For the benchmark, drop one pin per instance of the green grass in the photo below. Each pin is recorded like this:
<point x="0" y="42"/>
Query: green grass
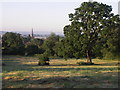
<point x="23" y="72"/>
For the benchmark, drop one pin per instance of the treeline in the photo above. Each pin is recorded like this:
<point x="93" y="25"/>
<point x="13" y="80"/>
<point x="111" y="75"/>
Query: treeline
<point x="15" y="44"/>
<point x="55" y="46"/>
<point x="94" y="32"/>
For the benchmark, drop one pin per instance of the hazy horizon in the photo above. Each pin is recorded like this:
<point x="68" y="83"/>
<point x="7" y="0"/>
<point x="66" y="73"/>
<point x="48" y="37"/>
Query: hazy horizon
<point x="35" y="32"/>
<point x="41" y="16"/>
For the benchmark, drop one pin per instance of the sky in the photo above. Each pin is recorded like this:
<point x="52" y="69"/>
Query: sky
<point x="43" y="16"/>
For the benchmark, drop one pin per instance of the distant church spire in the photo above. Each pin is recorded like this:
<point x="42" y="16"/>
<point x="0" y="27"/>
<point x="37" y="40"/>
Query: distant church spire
<point x="32" y="35"/>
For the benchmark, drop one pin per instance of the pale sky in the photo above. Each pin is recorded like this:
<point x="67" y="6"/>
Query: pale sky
<point x="42" y="16"/>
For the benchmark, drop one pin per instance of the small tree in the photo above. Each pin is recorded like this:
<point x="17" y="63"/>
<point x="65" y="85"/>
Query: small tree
<point x="43" y="59"/>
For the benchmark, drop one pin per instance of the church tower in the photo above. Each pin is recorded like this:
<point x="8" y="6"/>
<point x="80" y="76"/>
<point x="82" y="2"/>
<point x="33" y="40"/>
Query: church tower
<point x="32" y="35"/>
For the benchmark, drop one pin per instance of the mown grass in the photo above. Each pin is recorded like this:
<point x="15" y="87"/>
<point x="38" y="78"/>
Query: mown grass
<point x="23" y="72"/>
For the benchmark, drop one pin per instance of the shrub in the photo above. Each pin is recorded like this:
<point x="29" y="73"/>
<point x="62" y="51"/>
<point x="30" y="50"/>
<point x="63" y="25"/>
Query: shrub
<point x="43" y="59"/>
<point x="84" y="63"/>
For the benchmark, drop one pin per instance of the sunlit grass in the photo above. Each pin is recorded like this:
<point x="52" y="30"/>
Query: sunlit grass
<point x="23" y="72"/>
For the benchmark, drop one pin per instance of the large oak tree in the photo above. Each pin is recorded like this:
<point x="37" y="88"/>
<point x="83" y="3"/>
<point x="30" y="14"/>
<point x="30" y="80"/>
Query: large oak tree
<point x="90" y="25"/>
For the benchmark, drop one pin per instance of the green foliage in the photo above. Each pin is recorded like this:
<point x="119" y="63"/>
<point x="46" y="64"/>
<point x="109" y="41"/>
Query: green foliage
<point x="12" y="43"/>
<point x="37" y="42"/>
<point x="97" y="50"/>
<point x="63" y="49"/>
<point x="91" y="23"/>
<point x="111" y="47"/>
<point x="31" y="49"/>
<point x="43" y="59"/>
<point x="49" y="44"/>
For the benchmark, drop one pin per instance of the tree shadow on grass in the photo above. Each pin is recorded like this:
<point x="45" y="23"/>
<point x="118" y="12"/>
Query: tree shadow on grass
<point x="26" y="67"/>
<point x="101" y="81"/>
<point x="72" y="65"/>
<point x="15" y="65"/>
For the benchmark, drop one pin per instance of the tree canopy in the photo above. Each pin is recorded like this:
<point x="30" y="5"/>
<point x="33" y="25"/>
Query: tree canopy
<point x="50" y="43"/>
<point x="91" y="23"/>
<point x="12" y="43"/>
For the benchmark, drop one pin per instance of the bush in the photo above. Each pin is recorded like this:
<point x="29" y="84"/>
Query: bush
<point x="43" y="59"/>
<point x="84" y="63"/>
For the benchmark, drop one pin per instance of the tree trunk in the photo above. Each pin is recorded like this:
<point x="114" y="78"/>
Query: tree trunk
<point x="89" y="60"/>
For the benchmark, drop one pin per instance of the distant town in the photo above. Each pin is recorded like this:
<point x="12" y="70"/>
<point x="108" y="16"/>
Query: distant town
<point x="31" y="33"/>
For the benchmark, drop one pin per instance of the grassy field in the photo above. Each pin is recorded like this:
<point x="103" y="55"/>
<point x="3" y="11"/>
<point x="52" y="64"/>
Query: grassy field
<point x="23" y="72"/>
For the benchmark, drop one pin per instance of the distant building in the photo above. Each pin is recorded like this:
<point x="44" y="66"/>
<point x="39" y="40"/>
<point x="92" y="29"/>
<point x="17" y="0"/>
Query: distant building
<point x="32" y="35"/>
<point x="119" y="7"/>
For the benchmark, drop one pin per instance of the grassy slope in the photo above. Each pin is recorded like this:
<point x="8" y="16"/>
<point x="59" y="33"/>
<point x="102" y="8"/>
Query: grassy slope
<point x="23" y="72"/>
